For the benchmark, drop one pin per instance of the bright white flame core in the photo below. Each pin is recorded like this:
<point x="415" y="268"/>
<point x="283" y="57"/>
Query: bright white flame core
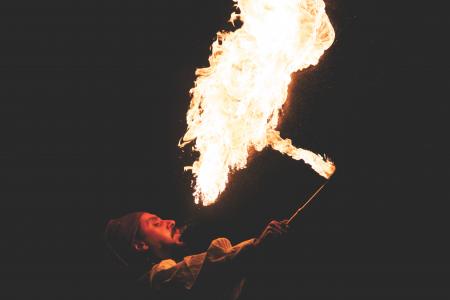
<point x="236" y="100"/>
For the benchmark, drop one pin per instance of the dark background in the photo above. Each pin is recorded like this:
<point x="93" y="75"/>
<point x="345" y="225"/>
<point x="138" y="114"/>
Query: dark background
<point x="93" y="96"/>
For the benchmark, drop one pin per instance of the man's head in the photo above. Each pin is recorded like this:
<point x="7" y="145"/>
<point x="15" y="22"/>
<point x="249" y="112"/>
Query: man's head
<point x="140" y="235"/>
<point x="157" y="235"/>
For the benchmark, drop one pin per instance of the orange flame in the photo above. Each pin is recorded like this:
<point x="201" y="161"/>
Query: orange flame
<point x="236" y="101"/>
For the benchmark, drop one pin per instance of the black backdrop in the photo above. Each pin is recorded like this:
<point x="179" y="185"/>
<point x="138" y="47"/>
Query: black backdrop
<point x="93" y="96"/>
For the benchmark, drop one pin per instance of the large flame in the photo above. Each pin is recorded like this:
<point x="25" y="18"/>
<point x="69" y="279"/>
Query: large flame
<point x="237" y="99"/>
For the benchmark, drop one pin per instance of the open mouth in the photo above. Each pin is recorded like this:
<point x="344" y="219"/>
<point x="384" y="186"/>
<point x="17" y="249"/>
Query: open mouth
<point x="174" y="231"/>
<point x="178" y="230"/>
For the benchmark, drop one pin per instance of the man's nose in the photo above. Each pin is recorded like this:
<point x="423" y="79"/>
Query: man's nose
<point x="170" y="223"/>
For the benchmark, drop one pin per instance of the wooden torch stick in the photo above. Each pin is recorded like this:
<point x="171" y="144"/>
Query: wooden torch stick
<point x="306" y="203"/>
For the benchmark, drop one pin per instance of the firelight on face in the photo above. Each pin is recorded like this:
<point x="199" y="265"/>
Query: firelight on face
<point x="158" y="232"/>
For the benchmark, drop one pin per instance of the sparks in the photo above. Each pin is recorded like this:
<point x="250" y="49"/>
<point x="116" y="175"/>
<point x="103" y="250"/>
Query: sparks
<point x="236" y="100"/>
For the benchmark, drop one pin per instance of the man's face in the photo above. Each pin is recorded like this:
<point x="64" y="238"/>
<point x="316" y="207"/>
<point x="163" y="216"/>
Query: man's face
<point x="159" y="234"/>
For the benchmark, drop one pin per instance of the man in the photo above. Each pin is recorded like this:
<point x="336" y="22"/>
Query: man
<point x="154" y="249"/>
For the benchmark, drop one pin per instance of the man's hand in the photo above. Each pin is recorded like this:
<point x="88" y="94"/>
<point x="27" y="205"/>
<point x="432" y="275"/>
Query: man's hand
<point x="273" y="231"/>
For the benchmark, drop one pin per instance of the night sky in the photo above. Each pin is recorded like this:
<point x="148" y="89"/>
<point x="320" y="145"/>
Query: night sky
<point x="93" y="97"/>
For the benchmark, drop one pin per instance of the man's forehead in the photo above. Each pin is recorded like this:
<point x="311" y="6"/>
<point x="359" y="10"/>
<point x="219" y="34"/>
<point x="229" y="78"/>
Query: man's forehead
<point x="148" y="216"/>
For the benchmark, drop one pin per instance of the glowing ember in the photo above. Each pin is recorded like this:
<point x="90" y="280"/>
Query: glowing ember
<point x="236" y="100"/>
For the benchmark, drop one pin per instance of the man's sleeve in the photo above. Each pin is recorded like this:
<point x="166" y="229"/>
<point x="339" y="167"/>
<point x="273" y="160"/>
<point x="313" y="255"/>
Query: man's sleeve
<point x="222" y="256"/>
<point x="220" y="259"/>
<point x="171" y="275"/>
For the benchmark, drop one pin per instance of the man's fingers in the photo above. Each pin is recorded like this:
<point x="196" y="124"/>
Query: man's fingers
<point x="285" y="224"/>
<point x="275" y="231"/>
<point x="279" y="226"/>
<point x="273" y="223"/>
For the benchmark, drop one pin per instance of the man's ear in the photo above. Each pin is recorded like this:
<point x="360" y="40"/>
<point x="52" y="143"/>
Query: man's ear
<point x="141" y="246"/>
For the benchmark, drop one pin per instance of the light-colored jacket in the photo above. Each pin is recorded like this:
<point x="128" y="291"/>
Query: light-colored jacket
<point x="217" y="273"/>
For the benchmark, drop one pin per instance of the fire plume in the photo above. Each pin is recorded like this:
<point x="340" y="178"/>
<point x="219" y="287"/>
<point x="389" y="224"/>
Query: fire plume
<point x="236" y="100"/>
